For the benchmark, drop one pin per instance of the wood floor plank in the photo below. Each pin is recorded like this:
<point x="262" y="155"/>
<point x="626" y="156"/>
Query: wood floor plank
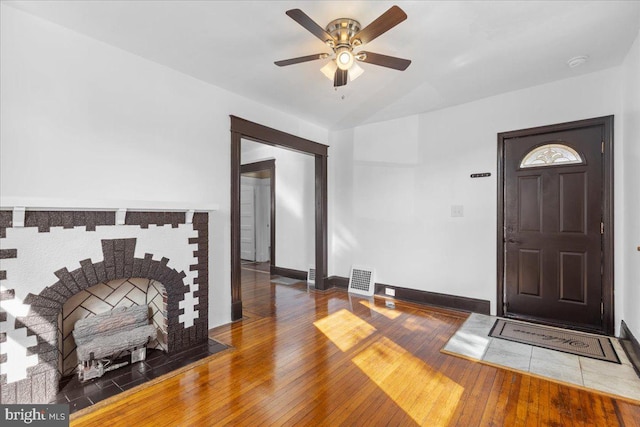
<point x="499" y="388"/>
<point x="533" y="416"/>
<point x="598" y="414"/>
<point x="557" y="406"/>
<point x="444" y="412"/>
<point x="511" y="405"/>
<point x="473" y="403"/>
<point x="525" y="405"/>
<point x="307" y="358"/>
<point x="629" y="414"/>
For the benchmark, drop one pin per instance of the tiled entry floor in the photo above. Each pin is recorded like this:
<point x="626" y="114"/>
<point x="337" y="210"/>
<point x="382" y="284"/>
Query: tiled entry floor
<point x="472" y="340"/>
<point x="82" y="395"/>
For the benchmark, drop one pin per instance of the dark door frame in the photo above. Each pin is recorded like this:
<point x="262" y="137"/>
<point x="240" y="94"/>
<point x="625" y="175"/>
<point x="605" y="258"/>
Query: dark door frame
<point x="241" y="128"/>
<point x="606" y="123"/>
<point x="269" y="165"/>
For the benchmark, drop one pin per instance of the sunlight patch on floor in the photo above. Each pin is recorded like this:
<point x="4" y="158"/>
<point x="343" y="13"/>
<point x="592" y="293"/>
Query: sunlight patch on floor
<point x="386" y="312"/>
<point x="344" y="329"/>
<point x="414" y="325"/>
<point x="426" y="395"/>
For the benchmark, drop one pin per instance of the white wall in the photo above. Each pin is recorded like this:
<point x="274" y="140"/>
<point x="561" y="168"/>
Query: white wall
<point x="295" y="203"/>
<point x="84" y="120"/>
<point x="631" y="192"/>
<point x="392" y="185"/>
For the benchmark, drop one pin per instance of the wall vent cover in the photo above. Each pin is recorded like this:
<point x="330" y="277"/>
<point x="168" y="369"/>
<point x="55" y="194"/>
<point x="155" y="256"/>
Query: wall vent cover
<point x="361" y="281"/>
<point x="311" y="276"/>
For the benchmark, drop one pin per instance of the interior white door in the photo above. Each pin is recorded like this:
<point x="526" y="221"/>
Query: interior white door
<point x="263" y="220"/>
<point x="247" y="223"/>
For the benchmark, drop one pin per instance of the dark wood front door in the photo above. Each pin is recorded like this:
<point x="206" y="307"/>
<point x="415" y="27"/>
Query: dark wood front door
<point x="554" y="203"/>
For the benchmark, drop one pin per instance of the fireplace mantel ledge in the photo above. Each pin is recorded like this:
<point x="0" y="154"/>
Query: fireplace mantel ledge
<point x="20" y="205"/>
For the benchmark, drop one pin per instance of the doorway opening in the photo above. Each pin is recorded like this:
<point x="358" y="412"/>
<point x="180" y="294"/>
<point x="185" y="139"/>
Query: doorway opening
<point x="244" y="129"/>
<point x="258" y="212"/>
<point x="555" y="225"/>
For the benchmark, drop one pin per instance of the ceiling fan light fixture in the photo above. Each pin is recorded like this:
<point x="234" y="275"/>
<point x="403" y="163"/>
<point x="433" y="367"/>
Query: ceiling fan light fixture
<point x="361" y="56"/>
<point x="329" y="70"/>
<point x="355" y="71"/>
<point x="344" y="58"/>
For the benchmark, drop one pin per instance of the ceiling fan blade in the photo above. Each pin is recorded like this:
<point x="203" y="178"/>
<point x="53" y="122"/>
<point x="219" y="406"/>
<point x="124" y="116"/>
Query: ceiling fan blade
<point x="340" y="78"/>
<point x="303" y="19"/>
<point x="381" y="25"/>
<point x="300" y="59"/>
<point x="384" y="60"/>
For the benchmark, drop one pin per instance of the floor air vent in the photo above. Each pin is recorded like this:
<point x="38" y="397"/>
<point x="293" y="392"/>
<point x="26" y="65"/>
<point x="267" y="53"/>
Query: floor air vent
<point x="361" y="281"/>
<point x="311" y="277"/>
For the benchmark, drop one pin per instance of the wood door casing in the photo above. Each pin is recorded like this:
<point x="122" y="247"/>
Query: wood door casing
<point x="241" y="128"/>
<point x="553" y="251"/>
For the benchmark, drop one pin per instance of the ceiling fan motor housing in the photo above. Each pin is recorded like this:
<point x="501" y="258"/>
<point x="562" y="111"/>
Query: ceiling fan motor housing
<point x="342" y="30"/>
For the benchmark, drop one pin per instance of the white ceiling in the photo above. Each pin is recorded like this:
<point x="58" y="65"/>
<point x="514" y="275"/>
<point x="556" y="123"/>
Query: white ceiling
<point x="460" y="50"/>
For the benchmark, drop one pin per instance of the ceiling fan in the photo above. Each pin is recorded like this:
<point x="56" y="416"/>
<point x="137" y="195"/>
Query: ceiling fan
<point x="343" y="35"/>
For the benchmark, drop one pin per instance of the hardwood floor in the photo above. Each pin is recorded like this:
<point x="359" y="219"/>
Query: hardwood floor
<point x="311" y="358"/>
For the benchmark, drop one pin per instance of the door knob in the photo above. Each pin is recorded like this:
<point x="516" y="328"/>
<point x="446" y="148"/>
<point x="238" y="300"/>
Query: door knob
<point x="513" y="241"/>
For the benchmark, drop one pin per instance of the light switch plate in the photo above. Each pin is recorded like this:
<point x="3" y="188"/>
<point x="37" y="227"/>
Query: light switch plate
<point x="457" y="210"/>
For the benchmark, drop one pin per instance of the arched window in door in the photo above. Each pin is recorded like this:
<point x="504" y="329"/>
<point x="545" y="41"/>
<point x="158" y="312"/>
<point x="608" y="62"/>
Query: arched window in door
<point x="551" y="155"/>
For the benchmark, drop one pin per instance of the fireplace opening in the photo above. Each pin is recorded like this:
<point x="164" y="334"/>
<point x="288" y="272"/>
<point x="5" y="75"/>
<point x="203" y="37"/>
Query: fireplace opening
<point x="105" y="297"/>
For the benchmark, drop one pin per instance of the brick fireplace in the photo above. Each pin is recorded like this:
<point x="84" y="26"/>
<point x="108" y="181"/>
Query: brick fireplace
<point x="86" y="262"/>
